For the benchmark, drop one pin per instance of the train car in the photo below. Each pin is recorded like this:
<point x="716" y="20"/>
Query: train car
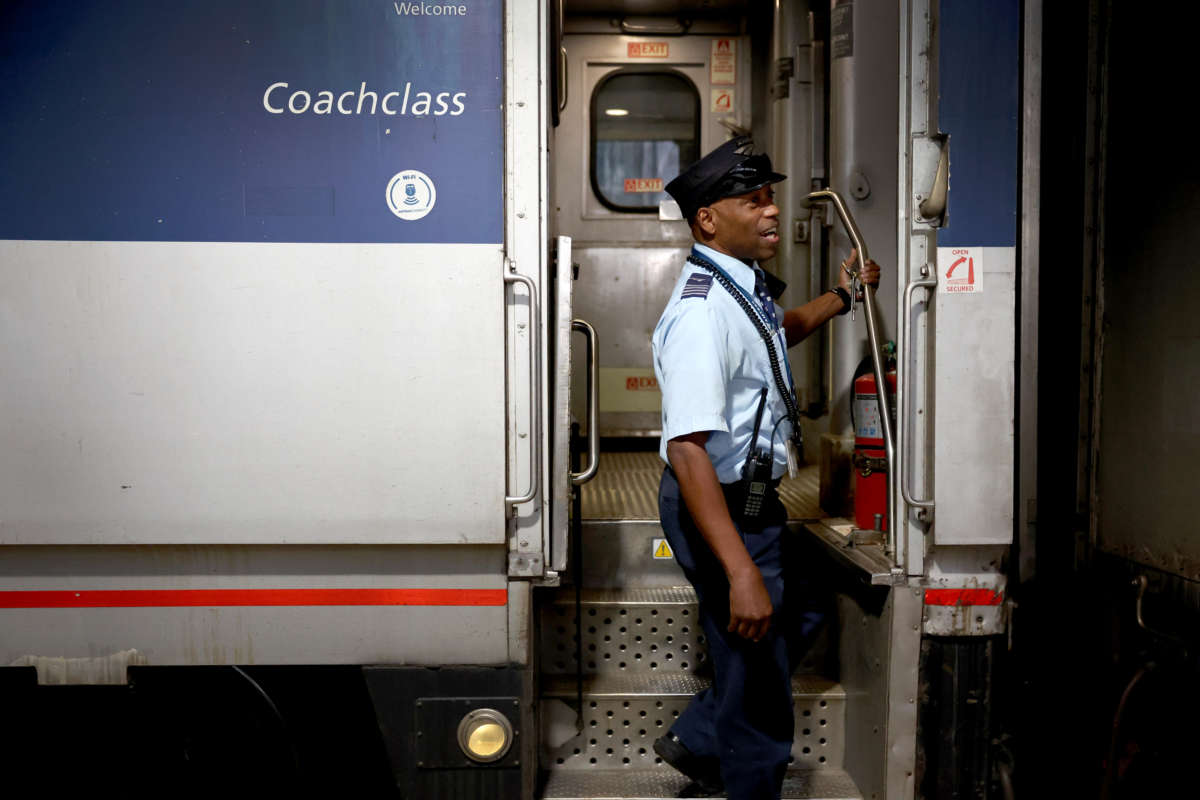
<point x="329" y="427"/>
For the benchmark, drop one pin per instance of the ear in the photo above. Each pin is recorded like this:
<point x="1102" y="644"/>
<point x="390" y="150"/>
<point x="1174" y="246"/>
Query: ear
<point x="706" y="221"/>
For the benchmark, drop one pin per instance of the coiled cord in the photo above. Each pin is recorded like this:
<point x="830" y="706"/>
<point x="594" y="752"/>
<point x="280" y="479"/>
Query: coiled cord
<point x="776" y="371"/>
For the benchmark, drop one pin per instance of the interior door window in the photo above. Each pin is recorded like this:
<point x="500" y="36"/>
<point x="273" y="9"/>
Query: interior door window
<point x="645" y="130"/>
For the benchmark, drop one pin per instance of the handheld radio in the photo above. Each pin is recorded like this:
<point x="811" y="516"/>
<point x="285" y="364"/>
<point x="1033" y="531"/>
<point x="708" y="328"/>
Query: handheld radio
<point x="756" y="472"/>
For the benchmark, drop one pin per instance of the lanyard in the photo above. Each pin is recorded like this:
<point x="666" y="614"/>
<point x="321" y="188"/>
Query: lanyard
<point x="764" y="331"/>
<point x="754" y="303"/>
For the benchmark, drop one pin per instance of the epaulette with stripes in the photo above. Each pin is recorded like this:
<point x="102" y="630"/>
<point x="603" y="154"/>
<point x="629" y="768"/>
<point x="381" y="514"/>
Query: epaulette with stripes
<point x="697" y="285"/>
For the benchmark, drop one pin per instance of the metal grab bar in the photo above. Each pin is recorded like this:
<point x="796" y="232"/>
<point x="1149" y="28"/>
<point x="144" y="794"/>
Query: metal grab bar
<point x="564" y="86"/>
<point x="676" y="28"/>
<point x="889" y="440"/>
<point x="593" y="404"/>
<point x="903" y="397"/>
<point x="535" y="386"/>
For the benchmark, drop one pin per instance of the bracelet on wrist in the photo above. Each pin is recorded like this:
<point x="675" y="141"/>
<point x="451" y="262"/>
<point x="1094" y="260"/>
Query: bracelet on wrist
<point x="845" y="298"/>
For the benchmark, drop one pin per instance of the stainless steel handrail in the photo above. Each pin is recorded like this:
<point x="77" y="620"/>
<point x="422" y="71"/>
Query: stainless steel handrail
<point x="535" y="387"/>
<point x="889" y="440"/>
<point x="593" y="403"/>
<point x="902" y="396"/>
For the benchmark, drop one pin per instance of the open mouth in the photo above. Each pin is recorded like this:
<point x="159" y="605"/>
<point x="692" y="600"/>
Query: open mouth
<point x="771" y="235"/>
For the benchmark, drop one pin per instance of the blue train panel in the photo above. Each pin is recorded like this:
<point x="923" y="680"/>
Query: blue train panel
<point x="978" y="105"/>
<point x="227" y="120"/>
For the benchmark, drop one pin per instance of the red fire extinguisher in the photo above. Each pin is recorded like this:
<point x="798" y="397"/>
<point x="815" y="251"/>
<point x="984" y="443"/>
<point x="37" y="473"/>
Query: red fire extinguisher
<point x="870" y="457"/>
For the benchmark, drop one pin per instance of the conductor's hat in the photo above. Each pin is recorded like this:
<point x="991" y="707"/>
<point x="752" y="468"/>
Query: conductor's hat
<point x="730" y="170"/>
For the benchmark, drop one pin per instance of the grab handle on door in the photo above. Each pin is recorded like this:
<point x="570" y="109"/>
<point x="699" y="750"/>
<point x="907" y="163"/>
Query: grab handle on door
<point x="924" y="507"/>
<point x="652" y="27"/>
<point x="593" y="404"/>
<point x="564" y="86"/>
<point x="535" y="387"/>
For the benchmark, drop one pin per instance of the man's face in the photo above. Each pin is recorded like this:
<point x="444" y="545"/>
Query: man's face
<point x="746" y="226"/>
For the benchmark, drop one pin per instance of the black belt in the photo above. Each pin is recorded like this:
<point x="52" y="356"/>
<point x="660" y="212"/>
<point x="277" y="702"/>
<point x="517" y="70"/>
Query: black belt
<point x="772" y="485"/>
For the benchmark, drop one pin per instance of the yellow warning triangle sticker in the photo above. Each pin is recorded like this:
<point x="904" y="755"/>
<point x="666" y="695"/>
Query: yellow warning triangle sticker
<point x="663" y="550"/>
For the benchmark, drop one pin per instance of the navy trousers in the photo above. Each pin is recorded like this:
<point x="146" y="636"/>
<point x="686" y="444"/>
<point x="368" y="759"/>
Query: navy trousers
<point x="745" y="718"/>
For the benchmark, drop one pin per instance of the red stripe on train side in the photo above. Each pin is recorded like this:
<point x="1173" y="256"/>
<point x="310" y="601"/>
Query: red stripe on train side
<point x="177" y="598"/>
<point x="963" y="597"/>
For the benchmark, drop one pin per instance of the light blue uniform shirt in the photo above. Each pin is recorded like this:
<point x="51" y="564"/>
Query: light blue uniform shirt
<point x="712" y="365"/>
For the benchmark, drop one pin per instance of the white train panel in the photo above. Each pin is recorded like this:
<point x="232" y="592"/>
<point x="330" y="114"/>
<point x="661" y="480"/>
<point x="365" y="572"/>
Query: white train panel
<point x="235" y="393"/>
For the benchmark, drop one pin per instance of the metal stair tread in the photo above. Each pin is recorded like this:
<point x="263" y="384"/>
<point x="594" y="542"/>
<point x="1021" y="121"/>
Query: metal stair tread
<point x="647" y="596"/>
<point x="659" y="784"/>
<point x="667" y="684"/>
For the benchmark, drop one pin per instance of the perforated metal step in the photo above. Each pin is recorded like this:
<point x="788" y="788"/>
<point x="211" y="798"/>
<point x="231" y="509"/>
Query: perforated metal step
<point x="624" y="714"/>
<point x="625" y="631"/>
<point x="659" y="784"/>
<point x="629" y="631"/>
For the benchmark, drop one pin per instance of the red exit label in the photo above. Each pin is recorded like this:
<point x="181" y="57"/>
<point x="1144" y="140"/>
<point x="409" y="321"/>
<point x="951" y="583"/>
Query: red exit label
<point x="648" y="50"/>
<point x="638" y="383"/>
<point x="633" y="185"/>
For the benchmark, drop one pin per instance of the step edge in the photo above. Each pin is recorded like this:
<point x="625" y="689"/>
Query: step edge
<point x="592" y="597"/>
<point x="627" y="774"/>
<point x="565" y="686"/>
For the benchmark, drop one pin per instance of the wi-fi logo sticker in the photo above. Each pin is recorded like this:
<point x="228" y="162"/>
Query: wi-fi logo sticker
<point x="411" y="194"/>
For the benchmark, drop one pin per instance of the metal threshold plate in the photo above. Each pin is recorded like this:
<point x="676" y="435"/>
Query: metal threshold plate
<point x="660" y="784"/>
<point x="871" y="559"/>
<point x="671" y="684"/>
<point x="649" y="596"/>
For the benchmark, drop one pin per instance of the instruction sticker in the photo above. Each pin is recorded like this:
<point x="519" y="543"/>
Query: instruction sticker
<point x="661" y="549"/>
<point x="722" y="66"/>
<point x="960" y="270"/>
<point x="841" y="27"/>
<point x="722" y="99"/>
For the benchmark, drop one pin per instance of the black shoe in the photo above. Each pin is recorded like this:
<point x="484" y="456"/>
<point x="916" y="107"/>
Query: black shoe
<point x="694" y="789"/>
<point x="705" y="771"/>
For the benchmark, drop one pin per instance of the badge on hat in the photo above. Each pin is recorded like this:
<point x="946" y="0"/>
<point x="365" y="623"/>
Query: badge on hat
<point x="730" y="170"/>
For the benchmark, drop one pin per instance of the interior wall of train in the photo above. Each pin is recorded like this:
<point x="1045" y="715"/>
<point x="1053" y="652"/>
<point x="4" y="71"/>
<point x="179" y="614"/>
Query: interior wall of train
<point x="307" y="419"/>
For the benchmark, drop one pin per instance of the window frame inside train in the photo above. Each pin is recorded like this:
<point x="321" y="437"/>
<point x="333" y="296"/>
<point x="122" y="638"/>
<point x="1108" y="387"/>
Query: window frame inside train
<point x="594" y="129"/>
